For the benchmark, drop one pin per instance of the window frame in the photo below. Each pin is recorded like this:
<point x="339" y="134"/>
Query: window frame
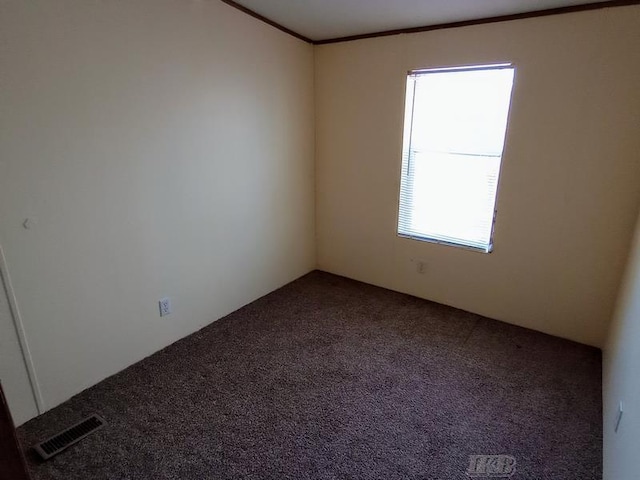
<point x="403" y="166"/>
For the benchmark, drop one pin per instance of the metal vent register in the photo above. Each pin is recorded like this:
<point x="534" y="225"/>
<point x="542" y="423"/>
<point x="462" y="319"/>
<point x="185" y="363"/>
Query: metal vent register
<point x="60" y="441"/>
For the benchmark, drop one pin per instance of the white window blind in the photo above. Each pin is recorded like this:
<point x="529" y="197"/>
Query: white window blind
<point x="454" y="132"/>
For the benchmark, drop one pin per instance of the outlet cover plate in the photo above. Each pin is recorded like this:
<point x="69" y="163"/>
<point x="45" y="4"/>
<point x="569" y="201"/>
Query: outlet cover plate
<point x="165" y="306"/>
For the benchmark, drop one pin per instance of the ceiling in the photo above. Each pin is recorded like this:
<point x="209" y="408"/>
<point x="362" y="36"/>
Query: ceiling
<point x="327" y="19"/>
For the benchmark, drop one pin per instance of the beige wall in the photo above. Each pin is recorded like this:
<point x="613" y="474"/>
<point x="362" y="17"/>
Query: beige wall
<point x="621" y="361"/>
<point x="568" y="194"/>
<point x="161" y="148"/>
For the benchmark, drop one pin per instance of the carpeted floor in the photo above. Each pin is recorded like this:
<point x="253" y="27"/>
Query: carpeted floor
<point x="328" y="378"/>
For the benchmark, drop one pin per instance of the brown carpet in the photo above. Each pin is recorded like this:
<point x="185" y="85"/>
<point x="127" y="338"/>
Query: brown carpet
<point x="329" y="378"/>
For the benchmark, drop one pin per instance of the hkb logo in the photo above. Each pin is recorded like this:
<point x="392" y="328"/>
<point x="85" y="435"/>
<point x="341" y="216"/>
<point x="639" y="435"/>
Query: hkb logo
<point x="491" y="466"/>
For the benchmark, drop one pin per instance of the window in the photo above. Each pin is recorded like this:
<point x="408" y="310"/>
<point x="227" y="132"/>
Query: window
<point x="454" y="130"/>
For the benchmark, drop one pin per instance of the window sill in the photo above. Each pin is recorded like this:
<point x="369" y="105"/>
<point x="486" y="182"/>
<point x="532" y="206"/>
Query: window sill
<point x="449" y="244"/>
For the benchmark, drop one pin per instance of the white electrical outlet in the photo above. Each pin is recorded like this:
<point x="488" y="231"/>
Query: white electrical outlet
<point x="418" y="265"/>
<point x="619" y="416"/>
<point x="165" y="306"/>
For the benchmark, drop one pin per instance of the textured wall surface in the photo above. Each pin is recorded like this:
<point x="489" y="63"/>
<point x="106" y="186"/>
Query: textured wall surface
<point x="568" y="195"/>
<point x="160" y="148"/>
<point x="621" y="361"/>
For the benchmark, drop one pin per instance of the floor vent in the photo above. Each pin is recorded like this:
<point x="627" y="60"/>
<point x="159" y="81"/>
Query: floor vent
<point x="54" y="445"/>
